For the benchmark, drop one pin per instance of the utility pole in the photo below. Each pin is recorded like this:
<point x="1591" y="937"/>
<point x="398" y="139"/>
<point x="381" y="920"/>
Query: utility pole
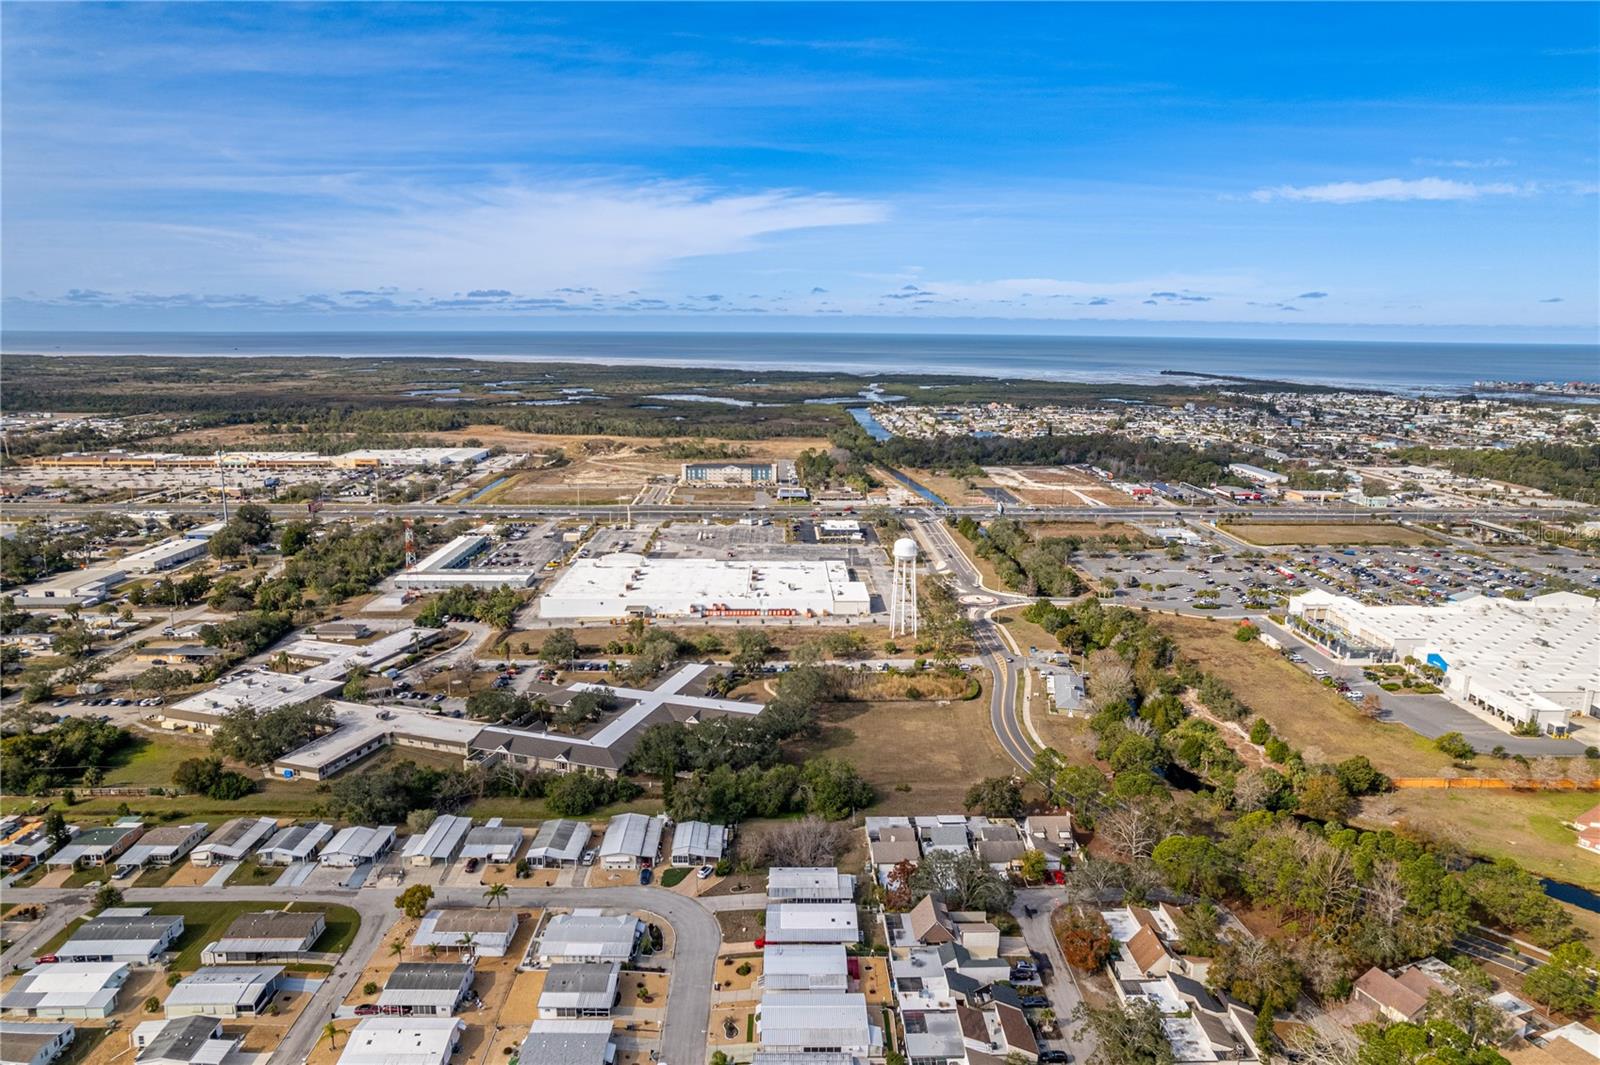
<point x="222" y="476"/>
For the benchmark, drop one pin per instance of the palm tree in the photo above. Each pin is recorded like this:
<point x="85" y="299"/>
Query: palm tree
<point x="433" y="950"/>
<point x="496" y="893"/>
<point x="396" y="948"/>
<point x="330" y="1031"/>
<point x="466" y="942"/>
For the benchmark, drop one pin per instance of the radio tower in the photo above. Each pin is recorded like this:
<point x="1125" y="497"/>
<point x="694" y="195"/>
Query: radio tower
<point x="411" y="544"/>
<point x="903" y="599"/>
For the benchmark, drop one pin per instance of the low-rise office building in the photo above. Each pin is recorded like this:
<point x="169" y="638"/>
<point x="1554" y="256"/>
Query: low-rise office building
<point x="225" y="991"/>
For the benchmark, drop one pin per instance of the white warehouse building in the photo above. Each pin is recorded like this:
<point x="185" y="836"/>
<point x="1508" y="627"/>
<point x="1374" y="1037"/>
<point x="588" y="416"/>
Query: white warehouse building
<point x="451" y="566"/>
<point x="625" y="583"/>
<point x="1521" y="661"/>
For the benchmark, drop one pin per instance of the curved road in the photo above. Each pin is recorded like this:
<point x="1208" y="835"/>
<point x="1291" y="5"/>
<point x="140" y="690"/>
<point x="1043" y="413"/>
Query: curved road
<point x="696" y="939"/>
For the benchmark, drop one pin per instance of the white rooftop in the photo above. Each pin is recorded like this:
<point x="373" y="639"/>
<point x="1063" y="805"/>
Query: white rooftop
<point x="812" y="922"/>
<point x="613" y="585"/>
<point x="401" y="1041"/>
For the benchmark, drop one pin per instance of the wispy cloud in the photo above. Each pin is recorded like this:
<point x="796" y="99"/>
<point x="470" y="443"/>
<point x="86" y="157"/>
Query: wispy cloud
<point x="1496" y="163"/>
<point x="1389" y="189"/>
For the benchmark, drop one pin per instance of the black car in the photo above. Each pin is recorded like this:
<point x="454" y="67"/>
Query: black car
<point x="1054" y="1057"/>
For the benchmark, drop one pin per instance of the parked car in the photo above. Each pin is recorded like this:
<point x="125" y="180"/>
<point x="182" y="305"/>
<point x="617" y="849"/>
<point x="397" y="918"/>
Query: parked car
<point x="703" y="872"/>
<point x="645" y="876"/>
<point x="1035" y="1002"/>
<point x="472" y="865"/>
<point x="588" y="857"/>
<point x="1054" y="1057"/>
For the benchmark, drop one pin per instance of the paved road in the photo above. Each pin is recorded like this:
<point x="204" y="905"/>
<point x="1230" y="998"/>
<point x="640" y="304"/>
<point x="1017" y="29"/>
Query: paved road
<point x="696" y="935"/>
<point x="1062" y="990"/>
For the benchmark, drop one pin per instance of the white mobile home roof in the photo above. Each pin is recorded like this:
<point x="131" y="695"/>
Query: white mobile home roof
<point x="812" y="922"/>
<point x="569" y="1041"/>
<point x="698" y="840"/>
<point x="67" y="986"/>
<point x="809" y="884"/>
<point x="439" y="842"/>
<point x="227" y="987"/>
<point x="805" y="967"/>
<point x="588" y="934"/>
<point x="358" y="843"/>
<point x="402" y="1041"/>
<point x="632" y="836"/>
<point x="297" y="843"/>
<point x="235" y="839"/>
<point x="814" y="1019"/>
<point x="493" y="841"/>
<point x="559" y="841"/>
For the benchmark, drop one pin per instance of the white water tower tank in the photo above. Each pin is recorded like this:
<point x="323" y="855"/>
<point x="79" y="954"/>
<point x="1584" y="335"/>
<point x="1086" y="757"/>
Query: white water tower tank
<point x="905" y="548"/>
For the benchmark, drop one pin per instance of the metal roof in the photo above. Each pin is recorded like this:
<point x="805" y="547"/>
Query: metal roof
<point x="576" y="1041"/>
<point x="360" y="841"/>
<point x="227" y="986"/>
<point x="632" y="835"/>
<point x="814" y="1018"/>
<point x="699" y="839"/>
<point x="440" y="840"/>
<point x="66" y="985"/>
<point x="560" y="839"/>
<point x="487" y="841"/>
<point x="579" y="985"/>
<point x="297" y="841"/>
<point x="236" y="838"/>
<point x="589" y="934"/>
<point x="181" y="1039"/>
<point x="428" y="976"/>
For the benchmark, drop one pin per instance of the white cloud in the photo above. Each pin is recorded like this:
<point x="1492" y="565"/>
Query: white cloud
<point x="1391" y="189"/>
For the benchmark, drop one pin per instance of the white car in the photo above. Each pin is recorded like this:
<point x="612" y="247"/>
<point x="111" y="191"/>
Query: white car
<point x="1318" y="671"/>
<point x="703" y="872"/>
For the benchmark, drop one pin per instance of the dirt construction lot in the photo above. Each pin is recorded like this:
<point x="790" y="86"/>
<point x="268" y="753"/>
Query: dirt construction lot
<point x="1056" y="486"/>
<point x="954" y="746"/>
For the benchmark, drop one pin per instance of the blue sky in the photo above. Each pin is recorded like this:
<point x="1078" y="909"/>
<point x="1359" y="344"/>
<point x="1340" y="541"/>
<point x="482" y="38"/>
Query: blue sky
<point x="1297" y="170"/>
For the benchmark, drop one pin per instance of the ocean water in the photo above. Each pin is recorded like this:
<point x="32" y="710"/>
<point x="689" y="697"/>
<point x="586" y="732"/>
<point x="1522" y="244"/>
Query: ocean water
<point x="1390" y="365"/>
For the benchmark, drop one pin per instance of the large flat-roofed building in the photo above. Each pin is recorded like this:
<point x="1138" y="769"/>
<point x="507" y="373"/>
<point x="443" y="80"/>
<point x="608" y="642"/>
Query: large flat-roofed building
<point x="1257" y="474"/>
<point x="736" y="474"/>
<point x="579" y="989"/>
<point x="80" y="587"/>
<point x="438" y="843"/>
<point x="270" y="935"/>
<point x="588" y="936"/>
<point x="162" y="556"/>
<point x="427" y="989"/>
<point x="234" y="840"/>
<point x="451" y="566"/>
<point x="25" y="1043"/>
<point x="482" y="932"/>
<point x="402" y="1041"/>
<point x="569" y="1041"/>
<point x="297" y="843"/>
<point x="225" y="991"/>
<point x="1534" y="661"/>
<point x="411" y="456"/>
<point x="68" y="990"/>
<point x="624" y="583"/>
<point x="137" y="940"/>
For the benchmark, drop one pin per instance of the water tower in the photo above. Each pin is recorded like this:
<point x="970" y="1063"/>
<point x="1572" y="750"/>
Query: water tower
<point x="903" y="599"/>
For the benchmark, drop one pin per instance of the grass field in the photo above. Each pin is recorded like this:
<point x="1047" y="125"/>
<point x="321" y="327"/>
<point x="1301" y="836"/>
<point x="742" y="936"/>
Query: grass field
<point x="275" y="799"/>
<point x="1025" y="633"/>
<point x="1525" y="826"/>
<point x="1267" y="535"/>
<point x="953" y="744"/>
<point x="1315" y="720"/>
<point x="149" y="761"/>
<point x="592" y="639"/>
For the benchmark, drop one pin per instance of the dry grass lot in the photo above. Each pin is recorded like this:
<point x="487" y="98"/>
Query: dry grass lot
<point x="740" y="926"/>
<point x="953" y="490"/>
<point x="1025" y="633"/>
<point x="1530" y="827"/>
<point x="953" y="742"/>
<point x="1313" y="719"/>
<point x="1283" y="535"/>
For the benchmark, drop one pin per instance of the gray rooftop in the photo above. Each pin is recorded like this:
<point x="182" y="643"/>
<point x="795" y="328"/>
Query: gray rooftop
<point x="180" y="1039"/>
<point x="125" y="929"/>
<point x="427" y="976"/>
